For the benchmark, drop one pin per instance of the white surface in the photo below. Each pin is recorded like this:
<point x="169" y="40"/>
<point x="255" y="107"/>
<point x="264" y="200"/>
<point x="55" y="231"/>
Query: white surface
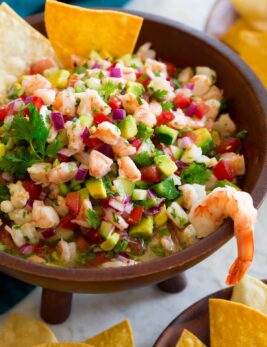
<point x="148" y="309"/>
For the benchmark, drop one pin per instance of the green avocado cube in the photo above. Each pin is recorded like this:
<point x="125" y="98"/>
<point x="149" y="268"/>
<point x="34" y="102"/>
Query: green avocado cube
<point x="110" y="242"/>
<point x="166" y="134"/>
<point x="135" y="88"/>
<point x="165" y="165"/>
<point x="124" y="186"/>
<point x="106" y="229"/>
<point x="84" y="193"/>
<point x="176" y="152"/>
<point x="204" y="140"/>
<point x="139" y="194"/>
<point x="60" y="78"/>
<point x="166" y="189"/>
<point x="144" y="229"/>
<point x="128" y="127"/>
<point x="96" y="188"/>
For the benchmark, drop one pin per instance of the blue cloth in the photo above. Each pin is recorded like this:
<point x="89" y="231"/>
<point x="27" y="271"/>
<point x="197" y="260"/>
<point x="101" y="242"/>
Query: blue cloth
<point x="28" y="7"/>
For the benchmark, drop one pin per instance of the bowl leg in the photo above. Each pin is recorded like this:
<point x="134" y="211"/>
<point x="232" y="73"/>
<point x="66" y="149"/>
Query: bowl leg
<point x="174" y="285"/>
<point x="55" y="306"/>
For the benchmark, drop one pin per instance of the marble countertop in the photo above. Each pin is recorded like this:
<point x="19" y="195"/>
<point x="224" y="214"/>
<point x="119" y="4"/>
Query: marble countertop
<point x="148" y="309"/>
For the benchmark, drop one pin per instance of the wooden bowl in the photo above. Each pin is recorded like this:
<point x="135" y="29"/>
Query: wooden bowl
<point x="195" y="319"/>
<point x="174" y="42"/>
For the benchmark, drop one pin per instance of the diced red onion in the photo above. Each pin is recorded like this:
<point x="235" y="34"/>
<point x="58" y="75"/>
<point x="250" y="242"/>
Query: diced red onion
<point x="115" y="72"/>
<point x="25" y="249"/>
<point x="123" y="257"/>
<point x="126" y="199"/>
<point x="49" y="233"/>
<point x="181" y="165"/>
<point x="96" y="66"/>
<point x="28" y="100"/>
<point x="58" y="120"/>
<point x="105" y="149"/>
<point x="66" y="152"/>
<point x="128" y="208"/>
<point x="117" y="205"/>
<point x="185" y="142"/>
<point x="118" y="114"/>
<point x="153" y="210"/>
<point x="29" y="204"/>
<point x="15" y="106"/>
<point x="85" y="134"/>
<point x="151" y="194"/>
<point x="81" y="173"/>
<point x="189" y="86"/>
<point x="42" y="195"/>
<point x="191" y="109"/>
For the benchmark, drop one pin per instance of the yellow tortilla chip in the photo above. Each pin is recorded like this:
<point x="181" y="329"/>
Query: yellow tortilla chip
<point x="63" y="344"/>
<point x="20" y="46"/>
<point x="253" y="49"/>
<point x="231" y="37"/>
<point x="76" y="31"/>
<point x="120" y="335"/>
<point x="251" y="292"/>
<point x="20" y="330"/>
<point x="236" y="325"/>
<point x="188" y="339"/>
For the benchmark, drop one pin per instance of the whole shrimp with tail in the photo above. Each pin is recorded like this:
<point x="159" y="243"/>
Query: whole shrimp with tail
<point x="210" y="213"/>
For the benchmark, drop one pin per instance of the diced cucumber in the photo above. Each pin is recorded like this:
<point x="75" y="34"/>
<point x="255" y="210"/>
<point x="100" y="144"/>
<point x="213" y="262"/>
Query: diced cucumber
<point x="106" y="229"/>
<point x="110" y="242"/>
<point x="176" y="152"/>
<point x="124" y="186"/>
<point x="166" y="134"/>
<point x="135" y="88"/>
<point x="167" y="189"/>
<point x="139" y="194"/>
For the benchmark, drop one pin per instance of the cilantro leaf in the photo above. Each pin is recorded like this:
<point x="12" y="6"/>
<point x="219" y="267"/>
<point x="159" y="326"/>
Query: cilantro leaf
<point x="242" y="134"/>
<point x="224" y="106"/>
<point x="167" y="106"/>
<point x="143" y="159"/>
<point x="144" y="132"/>
<point x="120" y="246"/>
<point x="195" y="173"/>
<point x="107" y="89"/>
<point x="176" y="83"/>
<point x="160" y="95"/>
<point x="4" y="193"/>
<point x="17" y="162"/>
<point x="82" y="258"/>
<point x="93" y="218"/>
<point x="53" y="148"/>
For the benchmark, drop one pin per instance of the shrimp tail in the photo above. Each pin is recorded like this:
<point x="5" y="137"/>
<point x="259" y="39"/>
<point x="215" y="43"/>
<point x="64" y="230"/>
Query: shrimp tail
<point x="237" y="271"/>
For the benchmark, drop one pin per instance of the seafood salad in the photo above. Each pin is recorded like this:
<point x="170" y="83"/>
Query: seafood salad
<point x="117" y="161"/>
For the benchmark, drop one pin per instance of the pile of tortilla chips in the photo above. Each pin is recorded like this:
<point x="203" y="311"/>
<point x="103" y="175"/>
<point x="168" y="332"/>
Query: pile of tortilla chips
<point x="241" y="322"/>
<point x="22" y="331"/>
<point x="248" y="36"/>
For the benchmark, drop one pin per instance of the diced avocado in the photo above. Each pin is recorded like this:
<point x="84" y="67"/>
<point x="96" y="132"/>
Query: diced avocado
<point x="135" y="88"/>
<point x="204" y="140"/>
<point x="165" y="165"/>
<point x="86" y="121"/>
<point x="143" y="159"/>
<point x="144" y="132"/>
<point x="166" y="189"/>
<point x="110" y="242"/>
<point x="161" y="217"/>
<point x="2" y="150"/>
<point x="224" y="183"/>
<point x="128" y="127"/>
<point x="84" y="194"/>
<point x="144" y="229"/>
<point x="141" y="184"/>
<point x="176" y="152"/>
<point x="62" y="135"/>
<point x="50" y="72"/>
<point x="75" y="185"/>
<point x="61" y="233"/>
<point x="63" y="189"/>
<point x="124" y="186"/>
<point x="216" y="137"/>
<point x="60" y="78"/>
<point x="96" y="188"/>
<point x="166" y="134"/>
<point x="131" y="60"/>
<point x="139" y="194"/>
<point x="106" y="229"/>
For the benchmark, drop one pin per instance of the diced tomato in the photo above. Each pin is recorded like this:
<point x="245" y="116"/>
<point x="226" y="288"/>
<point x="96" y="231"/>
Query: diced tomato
<point x="3" y="112"/>
<point x="201" y="110"/>
<point x="42" y="65"/>
<point x="229" y="144"/>
<point x="66" y="223"/>
<point x="33" y="189"/>
<point x="138" y="74"/>
<point x="100" y="118"/>
<point x="136" y="215"/>
<point x="36" y="101"/>
<point x="73" y="201"/>
<point x="145" y="80"/>
<point x="171" y="69"/>
<point x="94" y="237"/>
<point x="99" y="259"/>
<point x="190" y="134"/>
<point x="115" y="103"/>
<point x="224" y="171"/>
<point x="93" y="142"/>
<point x="150" y="174"/>
<point x="82" y="244"/>
<point x="165" y="117"/>
<point x="136" y="143"/>
<point x="181" y="100"/>
<point x="104" y="202"/>
<point x="38" y="249"/>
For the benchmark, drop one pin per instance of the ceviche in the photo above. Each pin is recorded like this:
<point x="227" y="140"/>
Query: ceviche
<point x="117" y="161"/>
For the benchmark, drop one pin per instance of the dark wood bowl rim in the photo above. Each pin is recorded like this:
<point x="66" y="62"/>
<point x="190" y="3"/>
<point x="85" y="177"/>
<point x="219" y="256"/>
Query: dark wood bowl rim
<point x="190" y="255"/>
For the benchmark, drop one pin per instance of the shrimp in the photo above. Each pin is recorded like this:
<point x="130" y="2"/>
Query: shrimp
<point x="81" y="218"/>
<point x="225" y="125"/>
<point x="74" y="133"/>
<point x="209" y="214"/>
<point x="143" y="114"/>
<point x="82" y="157"/>
<point x="214" y="106"/>
<point x="201" y="83"/>
<point x="181" y="121"/>
<point x="155" y="107"/>
<point x="108" y="133"/>
<point x="99" y="164"/>
<point x="67" y="251"/>
<point x="47" y="95"/>
<point x="91" y="101"/>
<point x="64" y="172"/>
<point x="154" y="67"/>
<point x="237" y="162"/>
<point x="128" y="169"/>
<point x="213" y="93"/>
<point x="204" y="70"/>
<point x="129" y="102"/>
<point x="144" y="52"/>
<point x="128" y="73"/>
<point x="185" y="75"/>
<point x="160" y="84"/>
<point x="39" y="172"/>
<point x="192" y="193"/>
<point x="44" y="216"/>
<point x="19" y="196"/>
<point x="65" y="102"/>
<point x="123" y="148"/>
<point x="31" y="83"/>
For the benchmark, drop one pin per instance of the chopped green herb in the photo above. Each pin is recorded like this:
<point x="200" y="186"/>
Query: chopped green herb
<point x="144" y="132"/>
<point x="93" y="218"/>
<point x="242" y="134"/>
<point x="115" y="218"/>
<point x="143" y="159"/>
<point x="167" y="106"/>
<point x="120" y="246"/>
<point x="4" y="193"/>
<point x="107" y="89"/>
<point x="195" y="173"/>
<point x="82" y="258"/>
<point x="160" y="95"/>
<point x="224" y="106"/>
<point x="176" y="83"/>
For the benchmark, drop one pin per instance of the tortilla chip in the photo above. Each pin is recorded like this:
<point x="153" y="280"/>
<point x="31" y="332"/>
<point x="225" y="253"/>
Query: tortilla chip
<point x="236" y="325"/>
<point x="20" y="46"/>
<point x="251" y="292"/>
<point x="188" y="339"/>
<point x="231" y="37"/>
<point x="119" y="335"/>
<point x="253" y="49"/>
<point x="64" y="344"/>
<point x="76" y="31"/>
<point x="20" y="330"/>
